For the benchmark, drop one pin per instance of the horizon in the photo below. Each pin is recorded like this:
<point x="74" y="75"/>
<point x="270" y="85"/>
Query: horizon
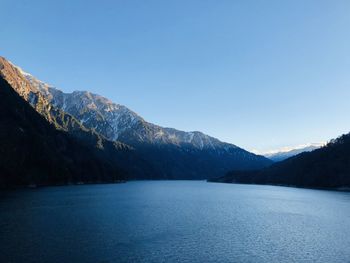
<point x="183" y="60"/>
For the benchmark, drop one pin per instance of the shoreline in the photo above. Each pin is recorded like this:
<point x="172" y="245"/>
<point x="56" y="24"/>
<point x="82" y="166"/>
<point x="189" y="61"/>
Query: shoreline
<point x="338" y="189"/>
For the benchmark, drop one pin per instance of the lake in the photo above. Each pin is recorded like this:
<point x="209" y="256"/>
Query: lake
<point x="174" y="221"/>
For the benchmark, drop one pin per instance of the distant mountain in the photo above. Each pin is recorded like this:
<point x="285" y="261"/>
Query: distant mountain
<point x="281" y="155"/>
<point x="172" y="153"/>
<point x="327" y="167"/>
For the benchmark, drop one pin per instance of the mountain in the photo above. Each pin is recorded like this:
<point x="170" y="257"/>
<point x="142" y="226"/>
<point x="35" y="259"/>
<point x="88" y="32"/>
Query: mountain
<point x="283" y="154"/>
<point x="117" y="153"/>
<point x="326" y="167"/>
<point x="174" y="154"/>
<point x="34" y="152"/>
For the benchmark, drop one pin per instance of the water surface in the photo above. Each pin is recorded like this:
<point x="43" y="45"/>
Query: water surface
<point x="174" y="221"/>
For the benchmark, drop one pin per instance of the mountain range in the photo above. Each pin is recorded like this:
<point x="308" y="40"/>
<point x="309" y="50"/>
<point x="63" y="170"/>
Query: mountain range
<point x="119" y="136"/>
<point x="286" y="153"/>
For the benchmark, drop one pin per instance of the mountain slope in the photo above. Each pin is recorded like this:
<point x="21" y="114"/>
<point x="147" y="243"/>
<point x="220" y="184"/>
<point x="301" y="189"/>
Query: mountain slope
<point x="174" y="154"/>
<point x="285" y="154"/>
<point x="33" y="151"/>
<point x="327" y="167"/>
<point x="113" y="151"/>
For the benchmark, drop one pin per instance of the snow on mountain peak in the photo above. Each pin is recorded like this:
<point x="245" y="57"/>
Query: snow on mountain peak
<point x="117" y="122"/>
<point x="286" y="152"/>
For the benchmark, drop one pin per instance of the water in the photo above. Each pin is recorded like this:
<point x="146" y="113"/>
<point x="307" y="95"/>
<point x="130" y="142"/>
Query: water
<point x="174" y="221"/>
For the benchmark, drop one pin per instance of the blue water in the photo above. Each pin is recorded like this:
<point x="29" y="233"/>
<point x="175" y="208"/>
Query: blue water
<point x="174" y="221"/>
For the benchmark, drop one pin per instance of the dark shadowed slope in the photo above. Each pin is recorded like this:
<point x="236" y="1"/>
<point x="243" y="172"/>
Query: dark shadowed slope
<point x="33" y="151"/>
<point x="327" y="167"/>
<point x="117" y="153"/>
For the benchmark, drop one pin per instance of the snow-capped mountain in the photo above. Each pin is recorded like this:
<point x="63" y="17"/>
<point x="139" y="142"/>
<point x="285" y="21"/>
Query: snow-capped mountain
<point x="117" y="122"/>
<point x="172" y="153"/>
<point x="288" y="152"/>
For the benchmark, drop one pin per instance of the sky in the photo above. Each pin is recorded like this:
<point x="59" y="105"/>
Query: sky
<point x="260" y="74"/>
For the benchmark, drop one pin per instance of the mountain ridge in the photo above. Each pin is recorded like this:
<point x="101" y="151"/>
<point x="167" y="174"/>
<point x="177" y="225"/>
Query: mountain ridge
<point x="170" y="148"/>
<point x="61" y="99"/>
<point x="172" y="153"/>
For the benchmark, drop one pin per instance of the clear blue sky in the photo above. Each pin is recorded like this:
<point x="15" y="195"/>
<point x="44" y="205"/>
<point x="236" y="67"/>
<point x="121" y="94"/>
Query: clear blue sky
<point x="260" y="74"/>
